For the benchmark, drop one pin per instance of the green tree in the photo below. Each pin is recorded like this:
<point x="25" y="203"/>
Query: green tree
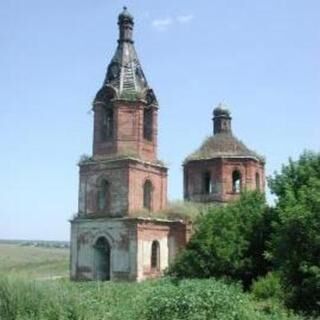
<point x="229" y="241"/>
<point x="295" y="246"/>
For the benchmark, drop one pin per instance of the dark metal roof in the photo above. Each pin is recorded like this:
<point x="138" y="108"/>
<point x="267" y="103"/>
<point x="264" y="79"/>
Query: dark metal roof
<point x="125" y="77"/>
<point x="223" y="145"/>
<point x="124" y="73"/>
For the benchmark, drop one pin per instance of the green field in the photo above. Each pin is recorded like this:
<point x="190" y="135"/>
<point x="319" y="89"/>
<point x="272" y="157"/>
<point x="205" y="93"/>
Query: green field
<point x="34" y="286"/>
<point x="34" y="262"/>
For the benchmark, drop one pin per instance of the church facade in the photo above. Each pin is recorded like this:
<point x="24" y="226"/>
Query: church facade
<point x="110" y="239"/>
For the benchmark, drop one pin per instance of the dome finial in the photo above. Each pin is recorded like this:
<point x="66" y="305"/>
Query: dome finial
<point x="125" y="14"/>
<point x="221" y="109"/>
<point x="125" y="22"/>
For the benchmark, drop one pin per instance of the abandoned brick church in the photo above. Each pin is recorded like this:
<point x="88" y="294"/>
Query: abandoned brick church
<point x="109" y="241"/>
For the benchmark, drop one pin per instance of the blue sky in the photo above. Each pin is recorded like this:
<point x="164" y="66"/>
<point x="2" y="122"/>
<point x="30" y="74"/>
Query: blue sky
<point x="259" y="57"/>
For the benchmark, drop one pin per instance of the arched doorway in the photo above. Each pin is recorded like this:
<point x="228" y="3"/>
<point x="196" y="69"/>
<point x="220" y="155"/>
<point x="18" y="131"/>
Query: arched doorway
<point x="102" y="255"/>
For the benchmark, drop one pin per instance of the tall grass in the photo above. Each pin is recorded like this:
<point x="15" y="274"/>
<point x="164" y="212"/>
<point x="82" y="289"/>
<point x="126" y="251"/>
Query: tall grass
<point x="150" y="300"/>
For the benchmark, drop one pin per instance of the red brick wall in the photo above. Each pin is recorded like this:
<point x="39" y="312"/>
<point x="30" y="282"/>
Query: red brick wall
<point x="221" y="174"/>
<point x="116" y="173"/>
<point x="138" y="174"/>
<point x="127" y="132"/>
<point x="174" y="234"/>
<point x="126" y="178"/>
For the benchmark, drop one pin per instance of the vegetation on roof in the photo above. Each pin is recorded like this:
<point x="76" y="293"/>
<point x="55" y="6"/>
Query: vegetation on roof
<point x="177" y="210"/>
<point x="222" y="145"/>
<point x="86" y="159"/>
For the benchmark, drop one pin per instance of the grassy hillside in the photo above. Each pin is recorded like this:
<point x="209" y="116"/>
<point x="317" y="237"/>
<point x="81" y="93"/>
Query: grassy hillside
<point x="34" y="262"/>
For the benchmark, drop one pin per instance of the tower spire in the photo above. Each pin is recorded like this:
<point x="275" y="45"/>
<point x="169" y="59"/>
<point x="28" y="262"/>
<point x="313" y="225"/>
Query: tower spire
<point x="125" y="77"/>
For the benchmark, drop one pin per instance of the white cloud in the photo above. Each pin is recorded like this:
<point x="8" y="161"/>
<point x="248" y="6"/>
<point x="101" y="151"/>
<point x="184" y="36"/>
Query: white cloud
<point x="185" y="19"/>
<point x="162" y="24"/>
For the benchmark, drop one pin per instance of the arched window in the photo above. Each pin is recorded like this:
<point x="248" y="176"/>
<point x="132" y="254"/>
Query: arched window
<point x="207" y="184"/>
<point x="147" y="123"/>
<point x="155" y="255"/>
<point x="147" y="194"/>
<point x="257" y="181"/>
<point x="107" y="124"/>
<point x="236" y="181"/>
<point x="104" y="195"/>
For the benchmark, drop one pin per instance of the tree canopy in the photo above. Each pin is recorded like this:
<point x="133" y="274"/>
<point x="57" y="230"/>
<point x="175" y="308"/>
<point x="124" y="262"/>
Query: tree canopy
<point x="295" y="245"/>
<point x="229" y="241"/>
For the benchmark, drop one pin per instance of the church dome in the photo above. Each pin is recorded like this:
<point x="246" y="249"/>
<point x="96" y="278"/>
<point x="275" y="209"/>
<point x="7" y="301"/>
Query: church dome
<point x="223" y="143"/>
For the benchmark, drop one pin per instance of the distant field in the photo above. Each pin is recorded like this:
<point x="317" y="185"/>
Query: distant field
<point x="34" y="262"/>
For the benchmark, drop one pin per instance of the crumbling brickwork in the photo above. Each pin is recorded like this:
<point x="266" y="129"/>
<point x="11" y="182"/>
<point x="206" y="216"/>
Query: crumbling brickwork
<point x="127" y="138"/>
<point x="221" y="171"/>
<point x="131" y="241"/>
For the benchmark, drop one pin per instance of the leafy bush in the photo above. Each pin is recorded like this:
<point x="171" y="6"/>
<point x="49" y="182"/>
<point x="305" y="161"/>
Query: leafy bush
<point x="199" y="299"/>
<point x="206" y="299"/>
<point x="84" y="158"/>
<point x="296" y="241"/>
<point x="267" y="287"/>
<point x="229" y="241"/>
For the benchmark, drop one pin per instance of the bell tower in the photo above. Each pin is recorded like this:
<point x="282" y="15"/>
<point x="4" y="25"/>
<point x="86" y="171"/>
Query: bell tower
<point x="123" y="175"/>
<point x="125" y="108"/>
<point x="123" y="181"/>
